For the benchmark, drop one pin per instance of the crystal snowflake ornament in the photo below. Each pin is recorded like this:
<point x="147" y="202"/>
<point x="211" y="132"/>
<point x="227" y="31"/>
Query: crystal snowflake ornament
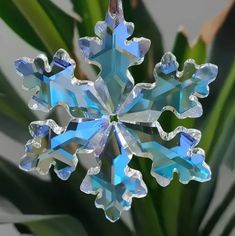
<point x="112" y="119"/>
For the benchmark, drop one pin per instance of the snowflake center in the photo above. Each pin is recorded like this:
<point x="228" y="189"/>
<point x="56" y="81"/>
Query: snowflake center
<point x="113" y="118"/>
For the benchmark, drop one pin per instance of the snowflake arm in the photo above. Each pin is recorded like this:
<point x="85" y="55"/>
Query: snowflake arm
<point x="55" y="146"/>
<point x="173" y="90"/>
<point x="170" y="152"/>
<point x="114" y="183"/>
<point x="113" y="53"/>
<point x="40" y="154"/>
<point x="55" y="84"/>
<point x="184" y="159"/>
<point x="180" y="90"/>
<point x="49" y="82"/>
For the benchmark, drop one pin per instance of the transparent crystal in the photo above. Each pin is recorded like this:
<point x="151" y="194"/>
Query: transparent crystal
<point x="114" y="183"/>
<point x="113" y="53"/>
<point x="112" y="119"/>
<point x="54" y="145"/>
<point x="42" y="152"/>
<point x="175" y="91"/>
<point x="170" y="152"/>
<point x="55" y="84"/>
<point x="180" y="90"/>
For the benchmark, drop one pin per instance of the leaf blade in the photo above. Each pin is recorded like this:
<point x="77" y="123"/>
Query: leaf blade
<point x="84" y="208"/>
<point x="59" y="226"/>
<point x="20" y="25"/>
<point x="14" y="113"/>
<point x="33" y="13"/>
<point x="29" y="200"/>
<point x="216" y="113"/>
<point x="211" y="223"/>
<point x="205" y="192"/>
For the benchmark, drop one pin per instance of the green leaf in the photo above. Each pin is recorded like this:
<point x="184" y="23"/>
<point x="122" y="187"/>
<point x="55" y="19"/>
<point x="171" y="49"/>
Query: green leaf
<point x="229" y="227"/>
<point x="20" y="218"/>
<point x="229" y="154"/>
<point x="197" y="51"/>
<point x="20" y="25"/>
<point x="217" y="133"/>
<point x="103" y="5"/>
<point x="218" y="129"/>
<point x="42" y="24"/>
<point x="90" y="11"/>
<point x="60" y="226"/>
<point x="217" y="114"/>
<point x="144" y="27"/>
<point x="12" y="105"/>
<point x="221" y="33"/>
<point x="186" y="203"/>
<point x="170" y="206"/>
<point x="145" y="217"/>
<point x="63" y="23"/>
<point x="14" y="113"/>
<point x="13" y="129"/>
<point x="183" y="50"/>
<point x="180" y="47"/>
<point x="83" y="207"/>
<point x="150" y="205"/>
<point x="211" y="223"/>
<point x="52" y="27"/>
<point x="204" y="193"/>
<point x="34" y="196"/>
<point x="223" y="49"/>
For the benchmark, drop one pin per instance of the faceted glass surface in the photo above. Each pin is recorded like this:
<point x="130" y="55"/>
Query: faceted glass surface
<point x="43" y="151"/>
<point x="112" y="119"/>
<point x="175" y="91"/>
<point x="113" y="53"/>
<point x="170" y="152"/>
<point x="114" y="182"/>
<point x="55" y="84"/>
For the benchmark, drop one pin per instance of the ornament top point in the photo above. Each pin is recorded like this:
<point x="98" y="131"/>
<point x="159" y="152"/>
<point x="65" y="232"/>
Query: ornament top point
<point x="115" y="7"/>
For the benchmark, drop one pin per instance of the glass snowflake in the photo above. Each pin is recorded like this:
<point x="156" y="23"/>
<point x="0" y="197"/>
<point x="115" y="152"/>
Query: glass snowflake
<point x="113" y="119"/>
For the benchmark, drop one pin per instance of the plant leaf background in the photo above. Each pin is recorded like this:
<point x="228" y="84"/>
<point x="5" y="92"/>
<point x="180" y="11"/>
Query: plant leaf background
<point x="31" y="205"/>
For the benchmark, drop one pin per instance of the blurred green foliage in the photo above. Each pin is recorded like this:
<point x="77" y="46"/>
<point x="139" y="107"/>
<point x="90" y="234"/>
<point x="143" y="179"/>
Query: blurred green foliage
<point x="56" y="208"/>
